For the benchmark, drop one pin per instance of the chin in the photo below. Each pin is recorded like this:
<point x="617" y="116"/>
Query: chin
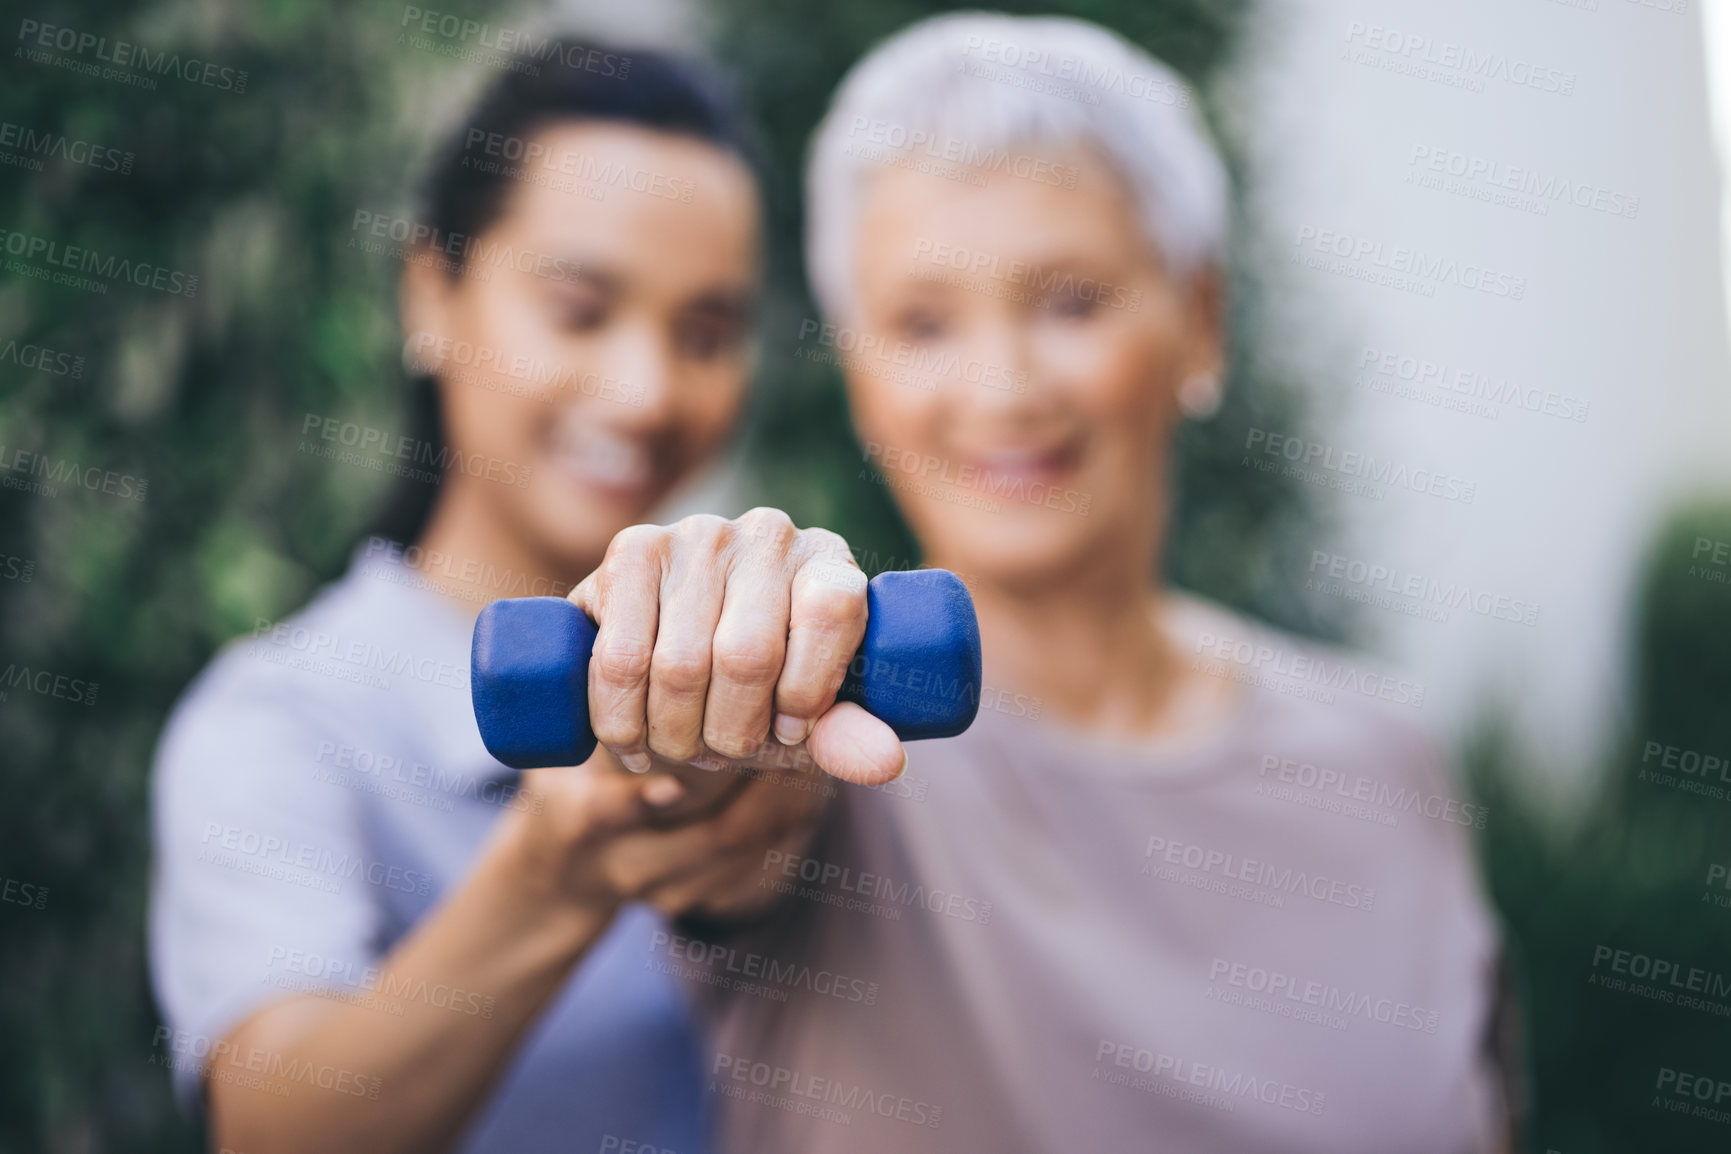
<point x="1004" y="552"/>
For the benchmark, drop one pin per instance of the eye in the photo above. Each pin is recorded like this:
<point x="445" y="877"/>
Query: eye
<point x="579" y="310"/>
<point x="1073" y="306"/>
<point x="921" y="324"/>
<point x="707" y="336"/>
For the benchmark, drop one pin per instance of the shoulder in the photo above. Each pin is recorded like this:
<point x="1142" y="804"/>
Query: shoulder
<point x="1316" y="701"/>
<point x="281" y="667"/>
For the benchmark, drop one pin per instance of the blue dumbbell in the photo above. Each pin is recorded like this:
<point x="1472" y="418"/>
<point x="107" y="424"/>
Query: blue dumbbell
<point x="917" y="669"/>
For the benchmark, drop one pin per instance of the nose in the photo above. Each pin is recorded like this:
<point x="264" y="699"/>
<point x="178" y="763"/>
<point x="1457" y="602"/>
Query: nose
<point x="1008" y="376"/>
<point x="637" y="365"/>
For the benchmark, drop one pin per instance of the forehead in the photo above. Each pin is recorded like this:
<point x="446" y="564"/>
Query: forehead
<point x="628" y="196"/>
<point x="1069" y="200"/>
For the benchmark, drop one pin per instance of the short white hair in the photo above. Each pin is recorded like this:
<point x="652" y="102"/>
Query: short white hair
<point x="962" y="90"/>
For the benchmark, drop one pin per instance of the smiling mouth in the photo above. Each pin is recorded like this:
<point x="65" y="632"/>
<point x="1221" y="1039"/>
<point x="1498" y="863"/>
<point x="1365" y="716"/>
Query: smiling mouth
<point x="596" y="457"/>
<point x="1010" y="467"/>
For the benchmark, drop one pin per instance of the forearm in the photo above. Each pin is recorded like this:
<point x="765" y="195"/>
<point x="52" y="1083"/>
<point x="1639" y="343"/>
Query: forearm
<point x="416" y="1076"/>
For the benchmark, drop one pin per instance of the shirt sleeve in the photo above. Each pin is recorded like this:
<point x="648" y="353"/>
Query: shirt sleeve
<point x="254" y="895"/>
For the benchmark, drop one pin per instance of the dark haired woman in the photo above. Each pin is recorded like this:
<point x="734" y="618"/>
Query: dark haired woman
<point x="367" y="934"/>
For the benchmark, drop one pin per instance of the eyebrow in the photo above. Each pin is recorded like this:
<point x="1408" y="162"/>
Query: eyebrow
<point x="737" y="301"/>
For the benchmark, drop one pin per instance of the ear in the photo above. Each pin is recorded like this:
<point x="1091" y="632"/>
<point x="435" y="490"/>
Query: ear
<point x="423" y="307"/>
<point x="1205" y="328"/>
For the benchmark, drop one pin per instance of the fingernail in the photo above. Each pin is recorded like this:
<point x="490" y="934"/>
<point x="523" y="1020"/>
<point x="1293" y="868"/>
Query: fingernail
<point x="790" y="730"/>
<point x="636" y="762"/>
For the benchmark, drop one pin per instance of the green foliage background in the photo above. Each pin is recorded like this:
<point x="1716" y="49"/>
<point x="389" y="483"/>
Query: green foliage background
<point x="205" y="397"/>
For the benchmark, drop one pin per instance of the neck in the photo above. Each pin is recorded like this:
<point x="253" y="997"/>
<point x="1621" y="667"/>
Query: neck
<point x="471" y="556"/>
<point x="1086" y="643"/>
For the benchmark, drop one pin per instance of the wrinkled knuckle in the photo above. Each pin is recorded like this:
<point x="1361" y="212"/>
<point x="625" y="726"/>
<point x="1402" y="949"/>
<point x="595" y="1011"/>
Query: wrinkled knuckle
<point x="825" y="542"/>
<point x="838" y="601"/>
<point x="637" y="542"/>
<point x="619" y="732"/>
<point x="732" y="744"/>
<point x="801" y="699"/>
<point x="682" y="670"/>
<point x="621" y="661"/>
<point x="674" y="746"/>
<point x="702" y="528"/>
<point x="767" y="523"/>
<point x="750" y="660"/>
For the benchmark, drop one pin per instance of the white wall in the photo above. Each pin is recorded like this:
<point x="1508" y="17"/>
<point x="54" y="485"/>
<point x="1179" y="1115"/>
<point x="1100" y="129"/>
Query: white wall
<point x="1626" y="314"/>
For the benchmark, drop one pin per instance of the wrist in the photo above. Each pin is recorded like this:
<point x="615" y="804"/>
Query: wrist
<point x="527" y="865"/>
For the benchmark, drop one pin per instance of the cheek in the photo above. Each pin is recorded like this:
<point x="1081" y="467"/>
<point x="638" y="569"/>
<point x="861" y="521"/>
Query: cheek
<point x="892" y="414"/>
<point x="1126" y="374"/>
<point x="479" y="421"/>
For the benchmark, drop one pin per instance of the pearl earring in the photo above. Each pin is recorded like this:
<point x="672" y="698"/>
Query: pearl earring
<point x="1199" y="395"/>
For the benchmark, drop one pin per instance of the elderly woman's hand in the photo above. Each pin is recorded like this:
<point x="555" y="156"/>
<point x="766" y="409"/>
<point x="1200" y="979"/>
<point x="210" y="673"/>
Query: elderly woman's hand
<point x="715" y="634"/>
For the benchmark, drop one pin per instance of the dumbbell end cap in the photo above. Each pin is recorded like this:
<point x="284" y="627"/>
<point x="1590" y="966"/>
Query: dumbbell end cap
<point x="528" y="674"/>
<point x="919" y="666"/>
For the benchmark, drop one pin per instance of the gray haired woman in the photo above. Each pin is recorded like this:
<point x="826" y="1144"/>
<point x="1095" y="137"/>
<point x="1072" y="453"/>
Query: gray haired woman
<point x="1188" y="884"/>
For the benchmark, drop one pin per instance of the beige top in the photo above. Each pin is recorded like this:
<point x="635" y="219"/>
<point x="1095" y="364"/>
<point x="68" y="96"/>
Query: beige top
<point x="1268" y="939"/>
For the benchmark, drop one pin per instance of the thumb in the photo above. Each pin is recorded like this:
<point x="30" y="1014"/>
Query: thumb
<point x="851" y="744"/>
